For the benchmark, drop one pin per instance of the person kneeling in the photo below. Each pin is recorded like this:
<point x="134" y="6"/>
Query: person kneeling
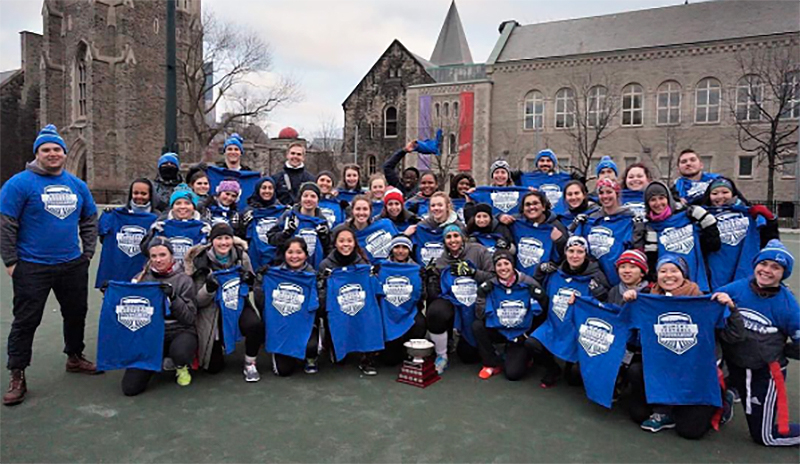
<point x="505" y="311"/>
<point x="180" y="337"/>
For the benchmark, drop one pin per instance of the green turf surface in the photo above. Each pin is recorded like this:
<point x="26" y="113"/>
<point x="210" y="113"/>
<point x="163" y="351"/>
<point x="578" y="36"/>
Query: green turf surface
<point x="336" y="415"/>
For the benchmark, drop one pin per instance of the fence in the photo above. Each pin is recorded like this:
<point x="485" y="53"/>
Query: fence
<point x="788" y="212"/>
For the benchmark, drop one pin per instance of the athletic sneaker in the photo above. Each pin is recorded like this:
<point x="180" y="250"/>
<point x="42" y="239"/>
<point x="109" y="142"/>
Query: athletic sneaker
<point x="657" y="422"/>
<point x="183" y="376"/>
<point x="311" y="366"/>
<point x="488" y="372"/>
<point x="367" y="366"/>
<point x="251" y="372"/>
<point x="167" y="364"/>
<point x="441" y="364"/>
<point x="727" y="407"/>
<point x="736" y="397"/>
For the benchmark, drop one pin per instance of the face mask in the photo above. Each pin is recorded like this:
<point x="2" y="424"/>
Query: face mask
<point x="168" y="172"/>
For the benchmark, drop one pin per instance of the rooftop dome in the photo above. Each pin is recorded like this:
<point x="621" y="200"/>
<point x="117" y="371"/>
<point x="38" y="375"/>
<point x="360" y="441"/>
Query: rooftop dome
<point x="287" y="133"/>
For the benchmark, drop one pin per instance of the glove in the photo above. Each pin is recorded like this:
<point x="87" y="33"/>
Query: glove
<point x="322" y="230"/>
<point x="462" y="269"/>
<point x="211" y="284"/>
<point x="593" y="285"/>
<point x="486" y="288"/>
<point x="580" y="219"/>
<point x="501" y="244"/>
<point x="375" y="269"/>
<point x="247" y="277"/>
<point x="761" y="210"/>
<point x="291" y="224"/>
<point x="168" y="290"/>
<point x="159" y="226"/>
<point x="548" y="267"/>
<point x="247" y="217"/>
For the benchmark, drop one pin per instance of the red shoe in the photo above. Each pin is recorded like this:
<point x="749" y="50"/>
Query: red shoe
<point x="77" y="364"/>
<point x="488" y="372"/>
<point x="16" y="388"/>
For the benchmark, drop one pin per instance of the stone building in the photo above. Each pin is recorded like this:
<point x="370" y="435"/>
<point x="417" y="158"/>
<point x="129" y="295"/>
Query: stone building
<point x="672" y="71"/>
<point x="97" y="72"/>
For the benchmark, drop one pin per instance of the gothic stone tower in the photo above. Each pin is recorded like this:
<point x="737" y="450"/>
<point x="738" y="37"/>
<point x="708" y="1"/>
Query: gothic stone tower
<point x="102" y="83"/>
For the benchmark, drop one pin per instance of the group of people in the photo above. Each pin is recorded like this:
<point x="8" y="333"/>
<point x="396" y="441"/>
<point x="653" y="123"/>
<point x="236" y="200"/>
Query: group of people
<point x="672" y="296"/>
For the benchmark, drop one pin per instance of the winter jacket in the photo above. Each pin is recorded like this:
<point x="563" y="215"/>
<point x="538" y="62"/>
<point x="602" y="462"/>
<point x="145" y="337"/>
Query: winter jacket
<point x="281" y="232"/>
<point x="392" y="176"/>
<point x="403" y="220"/>
<point x="451" y="219"/>
<point x="213" y="212"/>
<point x="598" y="286"/>
<point x="200" y="263"/>
<point x="163" y="190"/>
<point x="616" y="292"/>
<point x="182" y="303"/>
<point x="475" y="253"/>
<point x="497" y="228"/>
<point x="288" y="181"/>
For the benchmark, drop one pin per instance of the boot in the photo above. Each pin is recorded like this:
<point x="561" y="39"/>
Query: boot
<point x="77" y="364"/>
<point x="16" y="388"/>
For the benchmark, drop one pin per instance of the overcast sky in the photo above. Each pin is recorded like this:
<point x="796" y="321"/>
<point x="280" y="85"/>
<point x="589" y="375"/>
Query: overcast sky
<point x="329" y="45"/>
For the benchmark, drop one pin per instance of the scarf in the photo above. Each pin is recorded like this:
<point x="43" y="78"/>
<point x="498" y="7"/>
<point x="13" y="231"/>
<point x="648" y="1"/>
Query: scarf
<point x="660" y="217"/>
<point x="345" y="260"/>
<point x="145" y="208"/>
<point x="687" y="288"/>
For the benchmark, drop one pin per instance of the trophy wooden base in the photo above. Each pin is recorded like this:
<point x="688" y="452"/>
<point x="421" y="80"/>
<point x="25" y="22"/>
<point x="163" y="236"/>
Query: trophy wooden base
<point x="418" y="374"/>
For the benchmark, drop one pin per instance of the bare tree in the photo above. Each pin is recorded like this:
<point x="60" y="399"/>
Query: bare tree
<point x="589" y="107"/>
<point x="451" y="123"/>
<point x="218" y="64"/>
<point x="663" y="151"/>
<point x="766" y="105"/>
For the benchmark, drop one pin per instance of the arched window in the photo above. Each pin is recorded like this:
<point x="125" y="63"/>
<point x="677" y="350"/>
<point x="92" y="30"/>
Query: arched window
<point x="372" y="164"/>
<point x="533" y="113"/>
<point x="565" y="108"/>
<point x="390" y="122"/>
<point x="668" y="103"/>
<point x="706" y="100"/>
<point x="596" y="106"/>
<point x="455" y="109"/>
<point x="437" y="108"/>
<point x="632" y="105"/>
<point x="446" y="109"/>
<point x="453" y="144"/>
<point x="81" y="79"/>
<point x="792" y="84"/>
<point x="749" y="97"/>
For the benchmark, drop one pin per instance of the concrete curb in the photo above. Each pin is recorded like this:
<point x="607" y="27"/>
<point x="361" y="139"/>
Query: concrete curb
<point x="790" y="231"/>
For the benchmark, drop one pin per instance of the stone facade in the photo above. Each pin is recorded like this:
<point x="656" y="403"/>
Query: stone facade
<point x="384" y="87"/>
<point x="100" y="78"/>
<point x="685" y="65"/>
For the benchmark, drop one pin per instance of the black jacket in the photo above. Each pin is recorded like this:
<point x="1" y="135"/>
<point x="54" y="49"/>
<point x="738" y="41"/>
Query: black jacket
<point x="288" y="181"/>
<point x="183" y="306"/>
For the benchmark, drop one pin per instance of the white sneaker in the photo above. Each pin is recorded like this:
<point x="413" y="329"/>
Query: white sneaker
<point x="168" y="364"/>
<point x="251" y="373"/>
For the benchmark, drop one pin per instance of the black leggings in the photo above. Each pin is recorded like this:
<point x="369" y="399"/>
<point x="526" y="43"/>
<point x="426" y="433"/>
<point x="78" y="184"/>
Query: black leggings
<point x="180" y="346"/>
<point x="691" y="422"/>
<point x="394" y="352"/>
<point x="440" y="317"/>
<point x="516" y="356"/>
<point x="284" y="366"/>
<point x="252" y="327"/>
<point x="541" y="355"/>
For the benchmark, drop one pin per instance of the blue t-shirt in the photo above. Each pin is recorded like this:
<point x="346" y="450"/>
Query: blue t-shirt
<point x="634" y="201"/>
<point x="458" y="207"/>
<point x="603" y="330"/>
<point x="551" y="184"/>
<point x="608" y="237"/>
<point x="257" y="234"/>
<point x="348" y="195"/>
<point x="291" y="307"/>
<point x="400" y="291"/>
<point x="766" y="315"/>
<point x="558" y="333"/>
<point x="131" y="329"/>
<point x="354" y="316"/>
<point x="122" y="233"/>
<point x="677" y="335"/>
<point x="247" y="181"/>
<point x="47" y="207"/>
<point x="183" y="235"/>
<point x="462" y="292"/>
<point x="376" y="239"/>
<point x="307" y="231"/>
<point x="533" y="244"/>
<point x="428" y="244"/>
<point x="741" y="242"/>
<point x="230" y="299"/>
<point x="331" y="210"/>
<point x="503" y="200"/>
<point x="418" y="206"/>
<point x="511" y="310"/>
<point x="488" y="240"/>
<point x="677" y="234"/>
<point x="691" y="190"/>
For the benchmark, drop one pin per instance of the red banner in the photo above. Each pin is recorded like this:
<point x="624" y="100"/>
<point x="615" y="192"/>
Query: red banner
<point x="465" y="121"/>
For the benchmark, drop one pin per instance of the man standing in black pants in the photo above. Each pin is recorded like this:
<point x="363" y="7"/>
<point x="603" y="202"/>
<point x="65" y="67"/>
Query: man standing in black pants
<point x="46" y="213"/>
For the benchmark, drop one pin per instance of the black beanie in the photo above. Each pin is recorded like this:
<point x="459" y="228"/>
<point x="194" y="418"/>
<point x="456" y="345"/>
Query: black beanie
<point x="220" y="229"/>
<point x="483" y="208"/>
<point x="309" y="186"/>
<point x="502" y="254"/>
